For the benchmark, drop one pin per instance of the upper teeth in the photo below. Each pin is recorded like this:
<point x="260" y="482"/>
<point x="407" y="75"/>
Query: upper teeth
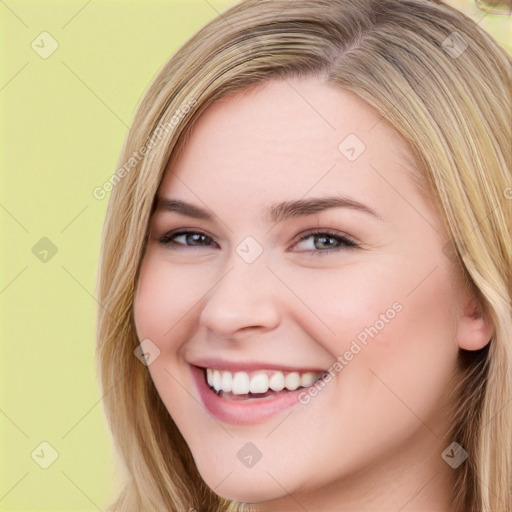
<point x="241" y="383"/>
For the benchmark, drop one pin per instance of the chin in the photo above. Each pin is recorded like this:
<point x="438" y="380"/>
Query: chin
<point x="245" y="485"/>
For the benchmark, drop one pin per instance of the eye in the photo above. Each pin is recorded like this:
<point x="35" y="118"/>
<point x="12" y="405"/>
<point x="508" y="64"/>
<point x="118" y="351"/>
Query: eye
<point x="322" y="242"/>
<point x="318" y="242"/>
<point x="186" y="239"/>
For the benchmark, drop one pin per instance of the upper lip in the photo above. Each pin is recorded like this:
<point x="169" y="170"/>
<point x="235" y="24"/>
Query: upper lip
<point x="247" y="366"/>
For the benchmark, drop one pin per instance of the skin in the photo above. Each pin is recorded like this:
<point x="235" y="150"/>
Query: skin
<point x="373" y="438"/>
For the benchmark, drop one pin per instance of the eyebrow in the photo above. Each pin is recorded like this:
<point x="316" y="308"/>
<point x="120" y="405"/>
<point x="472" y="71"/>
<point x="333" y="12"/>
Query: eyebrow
<point x="276" y="213"/>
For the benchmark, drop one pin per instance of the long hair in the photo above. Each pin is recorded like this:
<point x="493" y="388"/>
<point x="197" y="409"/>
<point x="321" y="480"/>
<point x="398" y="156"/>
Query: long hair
<point x="444" y="85"/>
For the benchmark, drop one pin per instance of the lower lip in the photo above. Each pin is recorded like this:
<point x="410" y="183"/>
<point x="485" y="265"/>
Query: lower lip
<point x="242" y="412"/>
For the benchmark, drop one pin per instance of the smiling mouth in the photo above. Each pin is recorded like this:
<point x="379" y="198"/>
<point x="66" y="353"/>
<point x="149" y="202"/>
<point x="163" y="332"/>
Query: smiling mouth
<point x="257" y="385"/>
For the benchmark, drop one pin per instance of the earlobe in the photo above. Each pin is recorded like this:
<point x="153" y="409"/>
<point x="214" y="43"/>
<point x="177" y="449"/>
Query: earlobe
<point x="475" y="329"/>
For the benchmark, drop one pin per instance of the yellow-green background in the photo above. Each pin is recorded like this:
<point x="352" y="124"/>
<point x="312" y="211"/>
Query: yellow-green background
<point x="63" y="120"/>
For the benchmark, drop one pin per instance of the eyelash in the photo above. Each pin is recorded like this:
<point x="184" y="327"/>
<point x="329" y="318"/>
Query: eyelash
<point x="344" y="241"/>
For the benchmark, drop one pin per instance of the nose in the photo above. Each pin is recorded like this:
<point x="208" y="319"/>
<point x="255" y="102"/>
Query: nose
<point x="243" y="299"/>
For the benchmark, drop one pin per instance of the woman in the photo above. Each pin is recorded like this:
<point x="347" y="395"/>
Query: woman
<point x="305" y="274"/>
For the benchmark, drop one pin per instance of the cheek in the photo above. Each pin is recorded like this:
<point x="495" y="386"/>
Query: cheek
<point x="392" y="306"/>
<point x="164" y="300"/>
<point x="164" y="313"/>
<point x="345" y="304"/>
<point x="407" y="364"/>
<point x="394" y="332"/>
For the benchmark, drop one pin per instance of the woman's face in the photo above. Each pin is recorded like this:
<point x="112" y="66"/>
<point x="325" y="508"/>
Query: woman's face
<point x="289" y="240"/>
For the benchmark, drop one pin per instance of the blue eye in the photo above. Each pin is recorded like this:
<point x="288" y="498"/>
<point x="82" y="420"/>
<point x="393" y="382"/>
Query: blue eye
<point x="322" y="242"/>
<point x="188" y="239"/>
<point x="318" y="242"/>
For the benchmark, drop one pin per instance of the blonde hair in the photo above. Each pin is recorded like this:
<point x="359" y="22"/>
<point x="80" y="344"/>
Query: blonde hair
<point x="408" y="60"/>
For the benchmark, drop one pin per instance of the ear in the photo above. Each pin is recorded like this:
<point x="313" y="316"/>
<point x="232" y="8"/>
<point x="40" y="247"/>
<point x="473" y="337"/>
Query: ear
<point x="475" y="328"/>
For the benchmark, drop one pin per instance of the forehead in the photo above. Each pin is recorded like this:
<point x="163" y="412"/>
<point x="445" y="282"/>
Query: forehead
<point x="287" y="139"/>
